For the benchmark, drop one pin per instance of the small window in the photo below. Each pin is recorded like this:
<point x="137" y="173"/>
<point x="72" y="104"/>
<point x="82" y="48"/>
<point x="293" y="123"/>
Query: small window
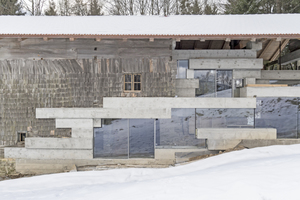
<point x="132" y="82"/>
<point x="21" y="136"/>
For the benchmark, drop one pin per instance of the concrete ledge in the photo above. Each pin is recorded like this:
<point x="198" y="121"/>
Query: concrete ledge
<point x="74" y="123"/>
<point x="187" y="83"/>
<point x="224" y="53"/>
<point x="47" y="153"/>
<point x="270" y="92"/>
<point x="221" y="144"/>
<point x="58" y="143"/>
<point x="238" y="74"/>
<point x="280" y="74"/>
<point x="169" y="102"/>
<point x="236" y="133"/>
<point x="226" y="63"/>
<point x="37" y="166"/>
<point x="113" y="112"/>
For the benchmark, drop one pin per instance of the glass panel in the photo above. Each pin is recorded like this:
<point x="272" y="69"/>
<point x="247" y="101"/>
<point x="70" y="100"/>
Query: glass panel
<point x="279" y="113"/>
<point x="127" y="78"/>
<point x="179" y="130"/>
<point x="137" y="86"/>
<point x="207" y="85"/>
<point x="141" y="138"/>
<point x="224" y="83"/>
<point x="137" y="78"/>
<point x="182" y="66"/>
<point x="225" y="118"/>
<point x="111" y="141"/>
<point x="127" y="86"/>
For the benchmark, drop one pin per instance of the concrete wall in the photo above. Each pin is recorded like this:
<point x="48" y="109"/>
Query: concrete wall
<point x="270" y="92"/>
<point x="186" y="87"/>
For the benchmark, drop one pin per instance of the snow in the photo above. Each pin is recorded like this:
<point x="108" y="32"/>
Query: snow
<point x="152" y="25"/>
<point x="267" y="173"/>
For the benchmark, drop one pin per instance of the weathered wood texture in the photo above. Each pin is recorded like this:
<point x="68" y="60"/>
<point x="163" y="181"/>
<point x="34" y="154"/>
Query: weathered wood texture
<point x="37" y="49"/>
<point x="61" y="81"/>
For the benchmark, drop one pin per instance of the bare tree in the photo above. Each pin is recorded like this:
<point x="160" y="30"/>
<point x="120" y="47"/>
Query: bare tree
<point x="34" y="7"/>
<point x="64" y="7"/>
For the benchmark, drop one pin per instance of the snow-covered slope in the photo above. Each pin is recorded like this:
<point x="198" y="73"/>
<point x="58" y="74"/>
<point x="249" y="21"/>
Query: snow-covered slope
<point x="267" y="173"/>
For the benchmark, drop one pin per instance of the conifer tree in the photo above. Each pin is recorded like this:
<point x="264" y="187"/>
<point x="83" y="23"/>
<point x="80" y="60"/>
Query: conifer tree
<point x="95" y="8"/>
<point x="10" y="7"/>
<point x="51" y="10"/>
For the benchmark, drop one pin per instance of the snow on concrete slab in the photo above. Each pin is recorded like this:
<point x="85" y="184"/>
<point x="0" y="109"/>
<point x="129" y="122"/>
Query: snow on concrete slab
<point x="254" y="174"/>
<point x="152" y="25"/>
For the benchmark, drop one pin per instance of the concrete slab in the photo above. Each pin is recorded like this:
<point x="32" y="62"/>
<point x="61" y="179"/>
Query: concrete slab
<point x="169" y="102"/>
<point x="58" y="143"/>
<point x="112" y="112"/>
<point x="11" y="152"/>
<point x="270" y="92"/>
<point x="225" y="63"/>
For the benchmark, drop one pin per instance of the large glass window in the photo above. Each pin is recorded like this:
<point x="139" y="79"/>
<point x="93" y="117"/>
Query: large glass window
<point x="214" y="83"/>
<point x="178" y="131"/>
<point x="111" y="141"/>
<point x="141" y="138"/>
<point x="225" y="118"/>
<point x="279" y="113"/>
<point x="124" y="138"/>
<point x="182" y="66"/>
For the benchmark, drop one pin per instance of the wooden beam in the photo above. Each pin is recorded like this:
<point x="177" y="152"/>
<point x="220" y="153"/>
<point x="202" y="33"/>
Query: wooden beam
<point x="278" y="39"/>
<point x="72" y="39"/>
<point x="265" y="49"/>
<point x="253" y="39"/>
<point x="21" y="39"/>
<point x="210" y="44"/>
<point x="177" y="39"/>
<point x="98" y="39"/>
<point x="225" y="44"/>
<point x="278" y="51"/>
<point x="291" y="57"/>
<point x="124" y="39"/>
<point x="151" y="39"/>
<point x="45" y="38"/>
<point x="227" y="40"/>
<point x="202" y="39"/>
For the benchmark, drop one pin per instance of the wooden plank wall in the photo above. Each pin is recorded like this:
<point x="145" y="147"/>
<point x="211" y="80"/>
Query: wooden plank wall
<point x="62" y="80"/>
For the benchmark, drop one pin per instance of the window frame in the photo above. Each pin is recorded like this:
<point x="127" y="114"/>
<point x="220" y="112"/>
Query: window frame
<point x="132" y="82"/>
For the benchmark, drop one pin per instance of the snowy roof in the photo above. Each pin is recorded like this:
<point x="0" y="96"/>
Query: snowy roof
<point x="284" y="25"/>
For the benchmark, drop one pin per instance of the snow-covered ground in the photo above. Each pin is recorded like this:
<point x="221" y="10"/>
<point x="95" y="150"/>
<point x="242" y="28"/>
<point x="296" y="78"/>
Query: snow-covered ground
<point x="267" y="173"/>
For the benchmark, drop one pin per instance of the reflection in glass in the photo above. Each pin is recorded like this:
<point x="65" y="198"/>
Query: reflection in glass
<point x="224" y="83"/>
<point x="111" y="141"/>
<point x="207" y="83"/>
<point x="279" y="113"/>
<point x="182" y="66"/>
<point x="127" y="78"/>
<point x="225" y="118"/>
<point x="141" y="138"/>
<point x="179" y="130"/>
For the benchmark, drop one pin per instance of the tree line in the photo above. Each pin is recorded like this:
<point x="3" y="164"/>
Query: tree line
<point x="146" y="7"/>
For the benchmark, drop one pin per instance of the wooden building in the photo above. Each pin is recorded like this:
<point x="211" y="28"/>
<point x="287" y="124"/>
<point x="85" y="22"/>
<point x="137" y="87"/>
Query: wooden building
<point x="145" y="90"/>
